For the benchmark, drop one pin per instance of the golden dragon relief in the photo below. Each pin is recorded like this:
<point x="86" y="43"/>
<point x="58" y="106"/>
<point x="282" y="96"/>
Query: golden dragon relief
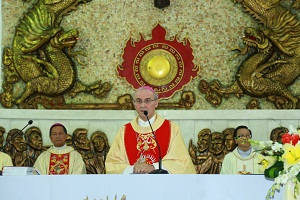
<point x="273" y="56"/>
<point x="41" y="56"/>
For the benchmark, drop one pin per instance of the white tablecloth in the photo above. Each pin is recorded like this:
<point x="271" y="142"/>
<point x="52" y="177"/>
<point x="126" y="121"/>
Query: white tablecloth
<point x="135" y="187"/>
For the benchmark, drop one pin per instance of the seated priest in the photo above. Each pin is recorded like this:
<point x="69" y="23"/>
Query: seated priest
<point x="138" y="145"/>
<point x="243" y="159"/>
<point x="60" y="158"/>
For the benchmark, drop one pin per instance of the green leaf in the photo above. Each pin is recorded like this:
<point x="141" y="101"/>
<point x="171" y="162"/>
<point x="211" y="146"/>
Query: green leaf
<point x="274" y="171"/>
<point x="298" y="177"/>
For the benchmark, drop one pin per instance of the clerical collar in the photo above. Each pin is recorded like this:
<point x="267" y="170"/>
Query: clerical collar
<point x="143" y="123"/>
<point x="60" y="148"/>
<point x="244" y="153"/>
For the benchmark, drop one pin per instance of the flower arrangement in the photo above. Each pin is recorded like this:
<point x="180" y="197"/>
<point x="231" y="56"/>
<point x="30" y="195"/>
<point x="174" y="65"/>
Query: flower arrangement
<point x="281" y="161"/>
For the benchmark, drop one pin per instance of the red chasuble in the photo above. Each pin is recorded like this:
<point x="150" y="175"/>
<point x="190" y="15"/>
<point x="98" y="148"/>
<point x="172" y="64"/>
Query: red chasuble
<point x="59" y="163"/>
<point x="144" y="146"/>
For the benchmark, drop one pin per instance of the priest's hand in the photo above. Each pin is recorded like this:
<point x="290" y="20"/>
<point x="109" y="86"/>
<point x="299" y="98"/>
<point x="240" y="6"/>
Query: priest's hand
<point x="142" y="168"/>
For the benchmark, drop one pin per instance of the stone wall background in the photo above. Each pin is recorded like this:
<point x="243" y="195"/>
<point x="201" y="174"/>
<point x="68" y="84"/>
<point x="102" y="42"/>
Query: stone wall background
<point x="212" y="27"/>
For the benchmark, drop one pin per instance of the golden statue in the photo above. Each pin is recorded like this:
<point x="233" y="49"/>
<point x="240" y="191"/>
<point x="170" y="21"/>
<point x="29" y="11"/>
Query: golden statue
<point x="273" y="56"/>
<point x="42" y="57"/>
<point x="100" y="147"/>
<point x="216" y="147"/>
<point x="201" y="156"/>
<point x="15" y="147"/>
<point x="83" y="146"/>
<point x="34" y="147"/>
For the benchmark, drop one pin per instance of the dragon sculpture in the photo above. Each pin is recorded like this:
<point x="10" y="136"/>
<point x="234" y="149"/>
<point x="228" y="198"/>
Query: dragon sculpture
<point x="41" y="57"/>
<point x="273" y="52"/>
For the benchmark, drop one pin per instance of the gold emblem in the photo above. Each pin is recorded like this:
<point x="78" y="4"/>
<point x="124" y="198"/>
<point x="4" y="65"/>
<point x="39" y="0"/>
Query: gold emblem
<point x="164" y="65"/>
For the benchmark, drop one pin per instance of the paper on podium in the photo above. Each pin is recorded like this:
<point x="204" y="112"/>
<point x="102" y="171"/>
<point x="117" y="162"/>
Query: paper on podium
<point x="18" y="171"/>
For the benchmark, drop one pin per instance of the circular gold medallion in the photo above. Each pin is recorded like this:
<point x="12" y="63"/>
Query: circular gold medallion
<point x="165" y="65"/>
<point x="158" y="67"/>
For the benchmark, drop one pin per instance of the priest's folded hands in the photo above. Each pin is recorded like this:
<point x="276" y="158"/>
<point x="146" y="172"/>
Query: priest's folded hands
<point x="141" y="167"/>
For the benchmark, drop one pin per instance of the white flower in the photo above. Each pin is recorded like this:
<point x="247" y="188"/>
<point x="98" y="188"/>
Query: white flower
<point x="293" y="130"/>
<point x="295" y="169"/>
<point x="270" y="153"/>
<point x="262" y="144"/>
<point x="282" y="179"/>
<point x="258" y="145"/>
<point x="269" y="143"/>
<point x="277" y="147"/>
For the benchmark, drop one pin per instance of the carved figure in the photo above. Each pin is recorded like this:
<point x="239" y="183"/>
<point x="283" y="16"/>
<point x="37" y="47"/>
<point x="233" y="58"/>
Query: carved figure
<point x="2" y="131"/>
<point x="34" y="140"/>
<point x="216" y="147"/>
<point x="229" y="140"/>
<point x="83" y="146"/>
<point x="41" y="56"/>
<point x="100" y="147"/>
<point x="276" y="134"/>
<point x="273" y="64"/>
<point x="15" y="147"/>
<point x="69" y="141"/>
<point x="200" y="155"/>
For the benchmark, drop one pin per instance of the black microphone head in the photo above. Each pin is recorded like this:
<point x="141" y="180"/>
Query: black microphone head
<point x="145" y="112"/>
<point x="30" y="122"/>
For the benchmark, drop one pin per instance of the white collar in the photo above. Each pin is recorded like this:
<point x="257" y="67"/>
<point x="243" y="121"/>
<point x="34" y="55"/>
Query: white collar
<point x="60" y="148"/>
<point x="143" y="123"/>
<point x="244" y="154"/>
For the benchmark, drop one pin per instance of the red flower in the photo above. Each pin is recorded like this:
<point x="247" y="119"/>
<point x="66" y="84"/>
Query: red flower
<point x="295" y="138"/>
<point x="286" y="138"/>
<point x="290" y="138"/>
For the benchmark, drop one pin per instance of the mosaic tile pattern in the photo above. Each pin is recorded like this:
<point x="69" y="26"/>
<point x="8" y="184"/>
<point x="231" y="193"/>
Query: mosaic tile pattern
<point x="214" y="27"/>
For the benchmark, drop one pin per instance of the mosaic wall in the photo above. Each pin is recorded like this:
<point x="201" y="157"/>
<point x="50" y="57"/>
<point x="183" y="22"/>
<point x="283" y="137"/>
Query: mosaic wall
<point x="213" y="27"/>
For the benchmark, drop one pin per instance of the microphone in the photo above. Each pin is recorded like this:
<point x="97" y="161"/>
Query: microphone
<point x="16" y="133"/>
<point x="159" y="170"/>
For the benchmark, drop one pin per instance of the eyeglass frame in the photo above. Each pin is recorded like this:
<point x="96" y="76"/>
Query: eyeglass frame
<point x="147" y="101"/>
<point x="244" y="136"/>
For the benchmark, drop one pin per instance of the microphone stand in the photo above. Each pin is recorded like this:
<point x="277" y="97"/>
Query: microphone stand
<point x="159" y="170"/>
<point x="16" y="133"/>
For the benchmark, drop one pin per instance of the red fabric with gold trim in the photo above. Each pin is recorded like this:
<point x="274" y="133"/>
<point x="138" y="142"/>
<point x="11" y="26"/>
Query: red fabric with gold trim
<point x="138" y="145"/>
<point x="59" y="163"/>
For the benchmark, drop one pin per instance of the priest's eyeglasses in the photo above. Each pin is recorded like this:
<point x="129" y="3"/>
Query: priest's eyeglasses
<point x="146" y="101"/>
<point x="244" y="136"/>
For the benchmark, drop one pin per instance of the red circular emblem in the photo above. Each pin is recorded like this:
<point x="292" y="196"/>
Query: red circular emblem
<point x="164" y="65"/>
